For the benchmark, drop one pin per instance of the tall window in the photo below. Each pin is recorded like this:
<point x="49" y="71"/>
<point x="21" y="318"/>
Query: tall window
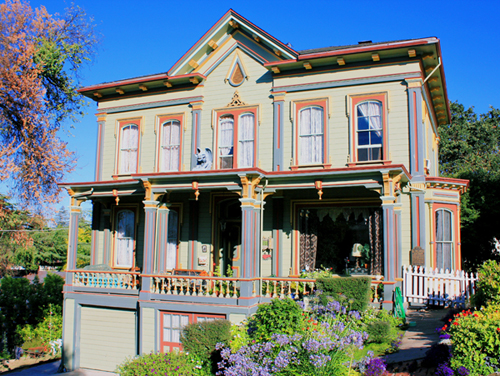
<point x="170" y="146"/>
<point x="444" y="239"/>
<point x="246" y="130"/>
<point x="129" y="144"/>
<point x="226" y="143"/>
<point x="369" y="131"/>
<point x="311" y="135"/>
<point x="125" y="230"/>
<point x="172" y="240"/>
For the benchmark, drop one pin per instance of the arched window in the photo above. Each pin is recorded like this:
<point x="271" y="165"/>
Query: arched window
<point x="246" y="129"/>
<point x="125" y="231"/>
<point x="444" y="239"/>
<point x="311" y="135"/>
<point x="170" y="146"/>
<point x="226" y="142"/>
<point x="129" y="144"/>
<point x="369" y="131"/>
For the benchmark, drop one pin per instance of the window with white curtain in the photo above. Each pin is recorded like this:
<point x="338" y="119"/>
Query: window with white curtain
<point x="129" y="144"/>
<point x="125" y="230"/>
<point x="369" y="131"/>
<point x="170" y="145"/>
<point x="444" y="239"/>
<point x="311" y="135"/>
<point x="226" y="141"/>
<point x="246" y="130"/>
<point x="172" y="239"/>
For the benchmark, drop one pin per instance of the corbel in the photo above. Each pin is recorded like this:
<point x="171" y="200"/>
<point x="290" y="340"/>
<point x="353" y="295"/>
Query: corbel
<point x="375" y="57"/>
<point x="167" y="84"/>
<point x="194" y="80"/>
<point x="432" y="80"/>
<point x="233" y="24"/>
<point x="307" y="65"/>
<point x="275" y="69"/>
<point x="147" y="188"/>
<point x="277" y="52"/>
<point x="120" y="91"/>
<point x="412" y="53"/>
<point x="318" y="184"/>
<point x="193" y="64"/>
<point x="256" y="38"/>
<point x="143" y="87"/>
<point x="213" y="45"/>
<point x="340" y="61"/>
<point x="97" y="95"/>
<point x="115" y="195"/>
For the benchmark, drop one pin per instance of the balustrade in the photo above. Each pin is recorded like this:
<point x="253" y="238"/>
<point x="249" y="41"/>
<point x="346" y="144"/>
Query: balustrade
<point x="106" y="279"/>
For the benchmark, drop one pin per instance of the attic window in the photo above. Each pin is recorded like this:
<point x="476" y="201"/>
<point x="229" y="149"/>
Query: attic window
<point x="236" y="74"/>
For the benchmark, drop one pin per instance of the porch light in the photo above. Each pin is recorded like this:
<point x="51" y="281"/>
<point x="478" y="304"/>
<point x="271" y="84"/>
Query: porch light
<point x="318" y="184"/>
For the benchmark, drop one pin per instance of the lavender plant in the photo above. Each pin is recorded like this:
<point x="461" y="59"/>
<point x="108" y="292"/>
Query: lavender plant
<point x="325" y="347"/>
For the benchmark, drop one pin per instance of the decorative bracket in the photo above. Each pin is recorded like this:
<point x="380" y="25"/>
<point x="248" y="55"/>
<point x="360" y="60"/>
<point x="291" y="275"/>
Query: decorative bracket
<point x="318" y="184"/>
<point x="194" y="185"/>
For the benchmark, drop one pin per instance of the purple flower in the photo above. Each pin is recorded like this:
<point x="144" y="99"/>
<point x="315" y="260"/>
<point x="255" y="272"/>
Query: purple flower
<point x="462" y="371"/>
<point x="444" y="370"/>
<point x="375" y="367"/>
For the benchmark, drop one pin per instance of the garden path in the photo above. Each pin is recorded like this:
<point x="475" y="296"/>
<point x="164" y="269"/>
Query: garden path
<point x="419" y="338"/>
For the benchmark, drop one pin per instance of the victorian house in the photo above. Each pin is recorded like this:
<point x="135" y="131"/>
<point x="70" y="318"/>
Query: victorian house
<point x="248" y="163"/>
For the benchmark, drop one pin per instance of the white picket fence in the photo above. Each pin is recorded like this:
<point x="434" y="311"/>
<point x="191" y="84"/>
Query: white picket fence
<point x="437" y="287"/>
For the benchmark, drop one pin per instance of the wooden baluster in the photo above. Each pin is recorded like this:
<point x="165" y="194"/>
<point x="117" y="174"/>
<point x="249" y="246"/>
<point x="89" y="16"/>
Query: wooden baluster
<point x="281" y="287"/>
<point x="213" y="284"/>
<point x="275" y="292"/>
<point x="253" y="290"/>
<point x="221" y="289"/>
<point x="235" y="293"/>
<point x="297" y="290"/>
<point x="267" y="294"/>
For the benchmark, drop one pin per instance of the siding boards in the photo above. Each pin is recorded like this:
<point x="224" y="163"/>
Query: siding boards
<point x="148" y="330"/>
<point x="107" y="337"/>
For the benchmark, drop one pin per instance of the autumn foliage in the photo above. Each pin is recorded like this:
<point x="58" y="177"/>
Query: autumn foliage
<point x="40" y="55"/>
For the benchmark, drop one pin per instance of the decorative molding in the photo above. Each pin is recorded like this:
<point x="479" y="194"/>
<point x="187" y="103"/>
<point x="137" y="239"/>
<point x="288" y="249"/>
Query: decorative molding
<point x="340" y="61"/>
<point x="236" y="100"/>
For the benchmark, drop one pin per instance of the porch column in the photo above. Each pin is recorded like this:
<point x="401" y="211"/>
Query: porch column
<point x="278" y="210"/>
<point x="95" y="256"/>
<point x="162" y="237"/>
<point x="194" y="215"/>
<point x="418" y="218"/>
<point x="106" y="228"/>
<point x="390" y="256"/>
<point x="250" y="247"/>
<point x="75" y="212"/>
<point x="150" y="209"/>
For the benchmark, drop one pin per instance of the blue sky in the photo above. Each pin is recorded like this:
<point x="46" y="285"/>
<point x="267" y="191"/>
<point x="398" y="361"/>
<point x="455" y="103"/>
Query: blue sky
<point x="149" y="36"/>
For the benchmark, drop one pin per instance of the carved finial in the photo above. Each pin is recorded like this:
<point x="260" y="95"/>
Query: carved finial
<point x="236" y="101"/>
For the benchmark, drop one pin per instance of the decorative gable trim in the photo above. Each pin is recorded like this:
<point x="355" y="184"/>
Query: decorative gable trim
<point x="236" y="101"/>
<point x="236" y="74"/>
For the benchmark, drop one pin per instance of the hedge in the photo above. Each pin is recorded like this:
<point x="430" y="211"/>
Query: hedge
<point x="354" y="289"/>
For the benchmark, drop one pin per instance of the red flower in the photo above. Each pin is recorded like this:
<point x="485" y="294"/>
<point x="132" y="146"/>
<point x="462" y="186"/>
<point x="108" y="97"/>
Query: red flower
<point x="455" y="322"/>
<point x="498" y="329"/>
<point x="476" y="315"/>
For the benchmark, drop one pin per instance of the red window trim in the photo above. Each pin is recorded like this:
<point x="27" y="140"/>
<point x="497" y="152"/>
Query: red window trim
<point x="300" y="105"/>
<point x="456" y="257"/>
<point x="121" y="125"/>
<point x="192" y="317"/>
<point x="236" y="113"/>
<point x="355" y="100"/>
<point x="161" y="120"/>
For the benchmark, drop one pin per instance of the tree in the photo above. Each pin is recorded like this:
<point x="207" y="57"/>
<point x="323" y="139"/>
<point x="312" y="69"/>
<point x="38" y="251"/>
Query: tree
<point x="470" y="149"/>
<point x="40" y="58"/>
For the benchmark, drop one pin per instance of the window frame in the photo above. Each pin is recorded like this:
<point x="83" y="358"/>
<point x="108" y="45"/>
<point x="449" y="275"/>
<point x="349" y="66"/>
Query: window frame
<point x="192" y="318"/>
<point x="355" y="101"/>
<point x="452" y="209"/>
<point x="121" y="125"/>
<point x="116" y="211"/>
<point x="161" y="120"/>
<point x="298" y="107"/>
<point x="236" y="112"/>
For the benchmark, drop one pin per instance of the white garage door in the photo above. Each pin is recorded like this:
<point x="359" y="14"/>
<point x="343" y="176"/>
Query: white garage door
<point x="107" y="337"/>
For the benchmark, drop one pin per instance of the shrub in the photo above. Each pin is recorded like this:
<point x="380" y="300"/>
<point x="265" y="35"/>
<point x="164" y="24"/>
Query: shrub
<point x="379" y="332"/>
<point x="476" y="340"/>
<point x="200" y="339"/>
<point x="356" y="290"/>
<point x="281" y="316"/>
<point x="171" y="364"/>
<point x="47" y="331"/>
<point x="488" y="285"/>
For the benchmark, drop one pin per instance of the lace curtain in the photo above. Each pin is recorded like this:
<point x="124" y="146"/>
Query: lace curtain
<point x="125" y="238"/>
<point x="128" y="145"/>
<point x="374" y="230"/>
<point x="170" y="146"/>
<point x="370" y="112"/>
<point x="246" y="134"/>
<point x="226" y="125"/>
<point x="308" y="241"/>
<point x="444" y="242"/>
<point x="311" y="135"/>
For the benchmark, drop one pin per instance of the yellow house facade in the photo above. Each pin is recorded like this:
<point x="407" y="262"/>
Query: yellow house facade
<point x="248" y="163"/>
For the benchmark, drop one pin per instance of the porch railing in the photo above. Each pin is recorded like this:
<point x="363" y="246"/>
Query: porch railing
<point x="106" y="279"/>
<point x="287" y="287"/>
<point x="215" y="287"/>
<point x="437" y="286"/>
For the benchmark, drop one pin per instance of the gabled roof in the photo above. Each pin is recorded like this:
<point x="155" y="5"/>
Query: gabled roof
<point x="228" y="24"/>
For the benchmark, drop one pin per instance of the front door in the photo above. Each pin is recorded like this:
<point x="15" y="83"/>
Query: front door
<point x="228" y="238"/>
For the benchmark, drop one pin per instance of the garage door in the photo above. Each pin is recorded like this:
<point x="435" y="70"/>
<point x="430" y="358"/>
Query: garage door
<point x="107" y="337"/>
